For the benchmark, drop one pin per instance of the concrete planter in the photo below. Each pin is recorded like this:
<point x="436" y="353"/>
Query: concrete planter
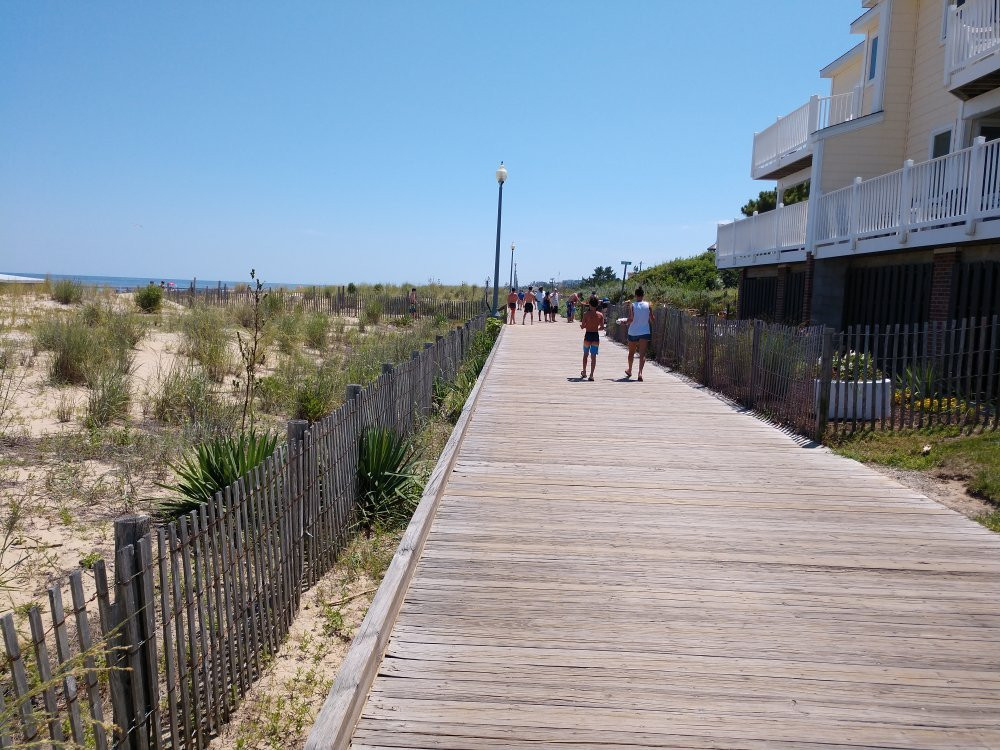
<point x="865" y="399"/>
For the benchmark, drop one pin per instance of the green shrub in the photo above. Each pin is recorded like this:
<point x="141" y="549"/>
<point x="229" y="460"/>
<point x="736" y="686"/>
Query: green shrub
<point x="67" y="292"/>
<point x="318" y="394"/>
<point x="123" y="329"/>
<point x="186" y="395"/>
<point x="373" y="312"/>
<point x="149" y="298"/>
<point x="316" y="331"/>
<point x="388" y="490"/>
<point x="289" y="331"/>
<point x="214" y="465"/>
<point x="73" y="344"/>
<point x="205" y="341"/>
<point x="352" y="288"/>
<point x="110" y="389"/>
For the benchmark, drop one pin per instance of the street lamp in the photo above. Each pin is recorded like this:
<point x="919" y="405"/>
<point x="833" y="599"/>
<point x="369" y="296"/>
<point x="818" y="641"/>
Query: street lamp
<point x="501" y="178"/>
<point x="510" y="285"/>
<point x="626" y="264"/>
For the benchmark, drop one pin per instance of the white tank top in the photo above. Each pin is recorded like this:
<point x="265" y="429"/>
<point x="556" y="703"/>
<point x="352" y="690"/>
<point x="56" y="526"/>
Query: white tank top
<point x="640" y="319"/>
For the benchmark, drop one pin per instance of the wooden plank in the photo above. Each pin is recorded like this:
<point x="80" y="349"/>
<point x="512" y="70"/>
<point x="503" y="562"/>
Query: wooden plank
<point x="166" y="613"/>
<point x="19" y="679"/>
<point x="64" y="656"/>
<point x="87" y="648"/>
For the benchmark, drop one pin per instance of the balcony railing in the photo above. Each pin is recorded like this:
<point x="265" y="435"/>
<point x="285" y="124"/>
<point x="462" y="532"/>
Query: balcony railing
<point x="790" y="134"/>
<point x="762" y="238"/>
<point x="961" y="188"/>
<point x="942" y="201"/>
<point x="973" y="34"/>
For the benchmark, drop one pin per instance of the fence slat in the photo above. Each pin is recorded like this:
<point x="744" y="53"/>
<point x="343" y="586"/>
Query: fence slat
<point x="64" y="656"/>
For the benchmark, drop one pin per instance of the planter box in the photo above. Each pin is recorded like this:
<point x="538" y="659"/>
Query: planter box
<point x="865" y="399"/>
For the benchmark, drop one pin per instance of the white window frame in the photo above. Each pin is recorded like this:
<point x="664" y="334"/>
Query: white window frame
<point x="935" y="133"/>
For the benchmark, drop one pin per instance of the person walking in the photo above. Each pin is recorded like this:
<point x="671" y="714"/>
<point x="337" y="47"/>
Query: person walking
<point x="592" y="324"/>
<point x="554" y="305"/>
<point x="511" y="305"/>
<point x="571" y="304"/>
<point x="529" y="307"/>
<point x="411" y="298"/>
<point x="520" y="299"/>
<point x="539" y="299"/>
<point x="640" y="331"/>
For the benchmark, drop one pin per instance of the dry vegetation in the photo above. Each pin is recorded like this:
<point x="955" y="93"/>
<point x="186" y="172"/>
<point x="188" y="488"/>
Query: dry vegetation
<point x="97" y="398"/>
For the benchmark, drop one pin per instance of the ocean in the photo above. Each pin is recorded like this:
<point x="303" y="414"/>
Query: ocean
<point x="130" y="282"/>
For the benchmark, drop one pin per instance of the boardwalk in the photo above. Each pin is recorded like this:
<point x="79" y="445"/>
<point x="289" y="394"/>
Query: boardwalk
<point x="639" y="565"/>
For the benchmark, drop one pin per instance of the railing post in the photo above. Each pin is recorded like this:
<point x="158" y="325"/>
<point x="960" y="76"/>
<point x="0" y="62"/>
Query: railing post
<point x="813" y="114"/>
<point x="905" y="202"/>
<point x="859" y="101"/>
<point x="825" y="378"/>
<point x="855" y="215"/>
<point x="777" y="226"/>
<point x="974" y="193"/>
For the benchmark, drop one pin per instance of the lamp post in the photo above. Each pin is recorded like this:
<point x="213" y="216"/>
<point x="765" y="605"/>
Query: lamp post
<point x="501" y="178"/>
<point x="511" y="281"/>
<point x="626" y="264"/>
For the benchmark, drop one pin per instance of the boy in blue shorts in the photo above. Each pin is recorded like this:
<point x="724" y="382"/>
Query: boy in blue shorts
<point x="592" y="325"/>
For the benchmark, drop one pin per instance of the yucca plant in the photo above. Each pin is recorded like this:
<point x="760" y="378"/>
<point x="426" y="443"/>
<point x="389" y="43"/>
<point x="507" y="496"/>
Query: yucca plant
<point x="387" y="480"/>
<point x="214" y="465"/>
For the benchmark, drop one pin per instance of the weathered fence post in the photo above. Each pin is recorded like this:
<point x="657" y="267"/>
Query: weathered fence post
<point x="755" y="363"/>
<point x="296" y="432"/>
<point x="390" y="384"/>
<point x="825" y="378"/>
<point x="709" y="349"/>
<point x="134" y="642"/>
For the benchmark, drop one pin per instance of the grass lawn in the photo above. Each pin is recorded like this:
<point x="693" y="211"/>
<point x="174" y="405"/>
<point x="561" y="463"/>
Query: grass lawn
<point x="974" y="459"/>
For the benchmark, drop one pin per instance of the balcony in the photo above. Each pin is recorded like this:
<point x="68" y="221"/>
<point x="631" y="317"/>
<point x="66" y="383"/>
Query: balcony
<point x="972" y="65"/>
<point x="772" y="237"/>
<point x="785" y="147"/>
<point x="944" y="201"/>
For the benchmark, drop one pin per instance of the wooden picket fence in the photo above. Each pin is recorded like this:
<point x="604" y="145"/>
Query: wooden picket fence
<point x="336" y="301"/>
<point x="161" y="656"/>
<point x="817" y="381"/>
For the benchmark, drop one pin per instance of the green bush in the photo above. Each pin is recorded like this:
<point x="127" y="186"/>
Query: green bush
<point x="214" y="465"/>
<point x="67" y="292"/>
<point x="186" y="395"/>
<point x="373" y="312"/>
<point x="289" y="331"/>
<point x="316" y="331"/>
<point x="123" y="329"/>
<point x="149" y="298"/>
<point x="73" y="345"/>
<point x="318" y="394"/>
<point x="206" y="342"/>
<point x="352" y="288"/>
<point x="388" y="489"/>
<point x="110" y="389"/>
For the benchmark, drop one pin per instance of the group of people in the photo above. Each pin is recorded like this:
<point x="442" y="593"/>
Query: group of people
<point x="539" y="302"/>
<point x="640" y="332"/>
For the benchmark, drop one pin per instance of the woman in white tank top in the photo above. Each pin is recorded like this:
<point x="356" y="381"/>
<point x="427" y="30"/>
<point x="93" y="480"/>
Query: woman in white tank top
<point x="640" y="331"/>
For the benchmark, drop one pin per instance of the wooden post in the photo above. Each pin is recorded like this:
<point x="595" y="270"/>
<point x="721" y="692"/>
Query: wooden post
<point x="709" y="340"/>
<point x="905" y="201"/>
<point x="755" y="363"/>
<point x="974" y="195"/>
<point x="855" y="216"/>
<point x="825" y="378"/>
<point x="129" y="624"/>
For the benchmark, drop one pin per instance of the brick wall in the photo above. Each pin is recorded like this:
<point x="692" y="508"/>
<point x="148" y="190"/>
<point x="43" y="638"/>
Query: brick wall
<point x="807" y="294"/>
<point x="942" y="282"/>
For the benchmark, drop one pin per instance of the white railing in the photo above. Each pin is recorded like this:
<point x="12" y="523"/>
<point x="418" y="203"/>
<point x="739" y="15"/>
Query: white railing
<point x="930" y="195"/>
<point x="762" y="237"/>
<point x="973" y="33"/>
<point x="790" y="133"/>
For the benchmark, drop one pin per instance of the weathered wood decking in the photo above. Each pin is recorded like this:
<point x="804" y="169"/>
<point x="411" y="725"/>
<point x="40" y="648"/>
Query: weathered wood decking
<point x="639" y="565"/>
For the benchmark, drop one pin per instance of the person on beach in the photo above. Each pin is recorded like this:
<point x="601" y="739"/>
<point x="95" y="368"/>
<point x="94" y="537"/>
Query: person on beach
<point x="546" y="301"/>
<point x="592" y="325"/>
<point x="529" y="307"/>
<point x="554" y="306"/>
<point x="411" y="298"/>
<point x="520" y="299"/>
<point x="511" y="305"/>
<point x="539" y="299"/>
<point x="571" y="304"/>
<point x="640" y="331"/>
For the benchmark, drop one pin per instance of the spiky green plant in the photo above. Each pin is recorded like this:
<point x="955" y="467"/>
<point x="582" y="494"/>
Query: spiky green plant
<point x="214" y="465"/>
<point x="387" y="479"/>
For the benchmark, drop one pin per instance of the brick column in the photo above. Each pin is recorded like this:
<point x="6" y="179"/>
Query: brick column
<point x="740" y="293"/>
<point x="945" y="260"/>
<point x="779" y="294"/>
<point x="807" y="292"/>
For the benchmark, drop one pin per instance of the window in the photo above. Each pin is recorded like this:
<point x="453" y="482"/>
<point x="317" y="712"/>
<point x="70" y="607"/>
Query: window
<point x="941" y="144"/>
<point x="873" y="59"/>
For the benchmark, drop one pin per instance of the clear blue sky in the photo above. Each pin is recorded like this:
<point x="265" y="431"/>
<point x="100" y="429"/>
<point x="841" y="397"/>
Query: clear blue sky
<point x="336" y="141"/>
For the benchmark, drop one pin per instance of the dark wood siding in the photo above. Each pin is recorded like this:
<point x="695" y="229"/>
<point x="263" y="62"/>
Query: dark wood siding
<point x="888" y="295"/>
